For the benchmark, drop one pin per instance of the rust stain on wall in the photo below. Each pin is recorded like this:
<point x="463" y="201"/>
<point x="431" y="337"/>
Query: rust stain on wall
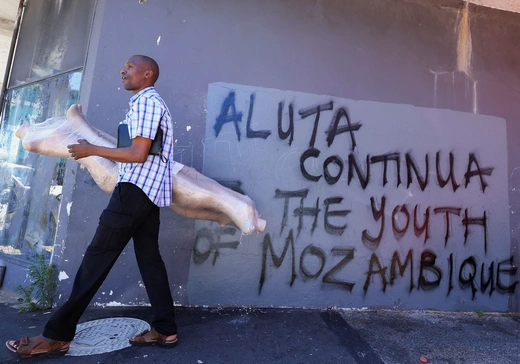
<point x="464" y="43"/>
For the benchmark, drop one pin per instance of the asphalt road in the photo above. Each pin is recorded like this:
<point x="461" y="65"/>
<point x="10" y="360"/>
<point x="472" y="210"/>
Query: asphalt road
<point x="244" y="335"/>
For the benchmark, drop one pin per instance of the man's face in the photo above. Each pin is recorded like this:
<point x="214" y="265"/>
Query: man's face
<point x="134" y="75"/>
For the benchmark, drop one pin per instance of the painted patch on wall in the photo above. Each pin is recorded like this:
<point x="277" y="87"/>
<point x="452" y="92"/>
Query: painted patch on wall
<point x="368" y="204"/>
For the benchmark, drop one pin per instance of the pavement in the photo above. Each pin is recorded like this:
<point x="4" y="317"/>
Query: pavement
<point x="210" y="335"/>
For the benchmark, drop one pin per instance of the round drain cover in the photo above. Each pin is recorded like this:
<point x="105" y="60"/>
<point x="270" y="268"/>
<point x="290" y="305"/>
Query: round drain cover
<point x="105" y="335"/>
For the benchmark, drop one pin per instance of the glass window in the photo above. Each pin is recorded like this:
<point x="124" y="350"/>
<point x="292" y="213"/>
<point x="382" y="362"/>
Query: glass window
<point x="30" y="183"/>
<point x="44" y="81"/>
<point x="53" y="39"/>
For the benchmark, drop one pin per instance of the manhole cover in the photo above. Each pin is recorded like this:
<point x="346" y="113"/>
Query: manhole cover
<point x="105" y="335"/>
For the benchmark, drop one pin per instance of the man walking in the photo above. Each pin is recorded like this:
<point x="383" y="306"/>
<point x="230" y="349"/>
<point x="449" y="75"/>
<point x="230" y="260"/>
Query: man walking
<point x="144" y="185"/>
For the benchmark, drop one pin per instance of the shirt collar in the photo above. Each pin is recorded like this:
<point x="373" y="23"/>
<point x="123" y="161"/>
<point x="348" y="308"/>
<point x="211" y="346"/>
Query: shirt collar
<point x="144" y="90"/>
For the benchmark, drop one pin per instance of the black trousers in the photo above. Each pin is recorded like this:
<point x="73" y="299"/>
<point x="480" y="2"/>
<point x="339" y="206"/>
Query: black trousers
<point x="129" y="214"/>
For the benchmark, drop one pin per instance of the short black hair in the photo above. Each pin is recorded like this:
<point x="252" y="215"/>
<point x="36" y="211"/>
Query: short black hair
<point x="150" y="62"/>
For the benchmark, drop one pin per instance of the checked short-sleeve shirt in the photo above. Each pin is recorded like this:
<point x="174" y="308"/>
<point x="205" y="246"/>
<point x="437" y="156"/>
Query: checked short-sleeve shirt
<point x="148" y="111"/>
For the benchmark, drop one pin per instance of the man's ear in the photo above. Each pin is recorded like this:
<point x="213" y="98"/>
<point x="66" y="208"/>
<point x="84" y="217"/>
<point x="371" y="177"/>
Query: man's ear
<point x="148" y="74"/>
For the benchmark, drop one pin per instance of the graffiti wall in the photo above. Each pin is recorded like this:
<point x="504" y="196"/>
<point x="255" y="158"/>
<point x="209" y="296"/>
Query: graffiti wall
<point x="368" y="204"/>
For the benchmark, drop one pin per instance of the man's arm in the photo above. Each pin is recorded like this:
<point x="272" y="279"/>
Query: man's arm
<point x="136" y="153"/>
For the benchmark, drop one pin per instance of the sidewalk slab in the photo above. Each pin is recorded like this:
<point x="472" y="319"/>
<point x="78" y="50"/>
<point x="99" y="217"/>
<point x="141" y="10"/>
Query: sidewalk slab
<point x="441" y="337"/>
<point x="206" y="335"/>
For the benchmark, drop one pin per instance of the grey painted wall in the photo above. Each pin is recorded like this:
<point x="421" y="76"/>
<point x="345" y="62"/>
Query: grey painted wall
<point x="416" y="227"/>
<point x="389" y="54"/>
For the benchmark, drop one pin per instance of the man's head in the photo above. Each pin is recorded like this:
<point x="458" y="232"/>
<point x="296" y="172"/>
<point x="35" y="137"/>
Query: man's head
<point x="139" y="72"/>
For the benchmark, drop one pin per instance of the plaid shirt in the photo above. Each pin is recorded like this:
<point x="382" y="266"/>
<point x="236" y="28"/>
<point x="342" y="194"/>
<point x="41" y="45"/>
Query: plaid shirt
<point x="147" y="112"/>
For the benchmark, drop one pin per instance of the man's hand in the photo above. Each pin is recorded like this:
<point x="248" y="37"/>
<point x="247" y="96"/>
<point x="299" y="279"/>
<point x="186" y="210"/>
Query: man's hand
<point x="81" y="150"/>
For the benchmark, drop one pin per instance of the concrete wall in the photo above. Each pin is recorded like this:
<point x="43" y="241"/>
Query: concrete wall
<point x="430" y="78"/>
